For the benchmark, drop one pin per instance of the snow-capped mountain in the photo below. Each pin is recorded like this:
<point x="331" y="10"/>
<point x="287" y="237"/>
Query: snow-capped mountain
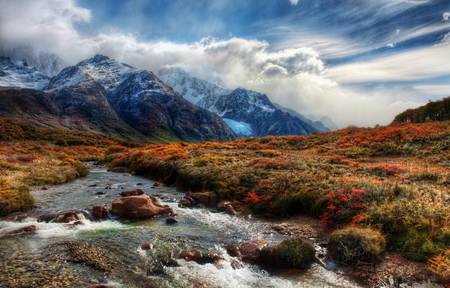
<point x="19" y="74"/>
<point x="45" y="62"/>
<point x="139" y="99"/>
<point x="317" y="124"/>
<point x="247" y="112"/>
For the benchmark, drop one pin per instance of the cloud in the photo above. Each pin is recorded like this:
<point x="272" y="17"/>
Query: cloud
<point x="439" y="90"/>
<point x="407" y="66"/>
<point x="445" y="16"/>
<point x="294" y="77"/>
<point x="293" y="2"/>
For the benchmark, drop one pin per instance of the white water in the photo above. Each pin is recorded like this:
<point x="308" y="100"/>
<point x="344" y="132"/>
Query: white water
<point x="195" y="228"/>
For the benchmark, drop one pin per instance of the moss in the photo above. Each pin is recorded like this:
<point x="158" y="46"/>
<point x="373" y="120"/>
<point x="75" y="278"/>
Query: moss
<point x="291" y="253"/>
<point x="355" y="246"/>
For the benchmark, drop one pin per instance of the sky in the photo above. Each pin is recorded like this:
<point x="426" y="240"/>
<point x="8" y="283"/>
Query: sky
<point x="359" y="62"/>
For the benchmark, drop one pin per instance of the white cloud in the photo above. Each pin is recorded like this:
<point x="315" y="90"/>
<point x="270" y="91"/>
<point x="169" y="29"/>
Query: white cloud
<point x="407" y="66"/>
<point x="293" y="2"/>
<point x="439" y="90"/>
<point x="445" y="16"/>
<point x="295" y="78"/>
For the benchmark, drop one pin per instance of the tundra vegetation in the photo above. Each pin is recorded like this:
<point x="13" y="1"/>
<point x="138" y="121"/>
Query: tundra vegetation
<point x="387" y="186"/>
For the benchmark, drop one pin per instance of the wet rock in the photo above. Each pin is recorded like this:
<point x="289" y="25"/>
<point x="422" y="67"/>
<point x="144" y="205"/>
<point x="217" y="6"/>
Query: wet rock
<point x="139" y="207"/>
<point x="171" y="221"/>
<point x="44" y="188"/>
<point x="250" y="252"/>
<point x="199" y="257"/>
<point x="221" y="206"/>
<point x="93" y="185"/>
<point x="70" y="216"/>
<point x="207" y="198"/>
<point x="100" y="193"/>
<point x="230" y="210"/>
<point x="119" y="169"/>
<point x="99" y="286"/>
<point x="90" y="255"/>
<point x="135" y="192"/>
<point x="146" y="246"/>
<point x="99" y="213"/>
<point x="111" y="186"/>
<point x="47" y="217"/>
<point x="23" y="230"/>
<point x="139" y="184"/>
<point x="184" y="203"/>
<point x="156" y="184"/>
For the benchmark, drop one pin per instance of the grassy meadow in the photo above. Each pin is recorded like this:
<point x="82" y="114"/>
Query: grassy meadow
<point x="392" y="179"/>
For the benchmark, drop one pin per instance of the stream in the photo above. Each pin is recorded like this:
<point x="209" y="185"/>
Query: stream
<point x="41" y="259"/>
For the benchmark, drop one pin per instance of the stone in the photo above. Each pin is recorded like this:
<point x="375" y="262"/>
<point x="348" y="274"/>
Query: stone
<point x="207" y="198"/>
<point x="139" y="184"/>
<point x="221" y="206"/>
<point x="156" y="184"/>
<point x="171" y="221"/>
<point x="44" y="188"/>
<point x="139" y="207"/>
<point x="99" y="213"/>
<point x="70" y="216"/>
<point x="250" y="252"/>
<point x="135" y="192"/>
<point x="146" y="246"/>
<point x="23" y="230"/>
<point x="184" y="203"/>
<point x="100" y="193"/>
<point x="230" y="210"/>
<point x="111" y="186"/>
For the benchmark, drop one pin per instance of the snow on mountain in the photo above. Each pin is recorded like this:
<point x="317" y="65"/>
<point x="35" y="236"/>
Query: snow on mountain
<point x="248" y="113"/>
<point x="45" y="62"/>
<point x="140" y="99"/>
<point x="21" y="75"/>
<point x="99" y="68"/>
<point x="196" y="91"/>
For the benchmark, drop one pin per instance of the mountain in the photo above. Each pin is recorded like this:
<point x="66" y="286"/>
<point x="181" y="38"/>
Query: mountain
<point x="432" y="111"/>
<point x="137" y="97"/>
<point x="318" y="125"/>
<point x="248" y="113"/>
<point x="45" y="62"/>
<point x="19" y="74"/>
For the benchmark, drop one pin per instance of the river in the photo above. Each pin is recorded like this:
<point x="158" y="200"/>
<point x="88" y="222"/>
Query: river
<point x="42" y="259"/>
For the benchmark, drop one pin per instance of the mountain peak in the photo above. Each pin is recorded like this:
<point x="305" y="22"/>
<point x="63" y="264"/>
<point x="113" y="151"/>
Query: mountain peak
<point x="19" y="74"/>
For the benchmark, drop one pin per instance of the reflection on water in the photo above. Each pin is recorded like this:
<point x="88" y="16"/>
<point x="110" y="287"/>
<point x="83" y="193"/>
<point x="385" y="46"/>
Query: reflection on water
<point x="42" y="258"/>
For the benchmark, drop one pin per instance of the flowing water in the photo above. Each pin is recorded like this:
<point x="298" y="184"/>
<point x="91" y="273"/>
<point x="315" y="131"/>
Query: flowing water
<point x="42" y="259"/>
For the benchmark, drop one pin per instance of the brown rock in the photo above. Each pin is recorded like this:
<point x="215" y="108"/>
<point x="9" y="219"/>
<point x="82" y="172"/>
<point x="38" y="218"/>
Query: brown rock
<point x="139" y="207"/>
<point x="146" y="246"/>
<point x="156" y="184"/>
<point x="207" y="198"/>
<point x="221" y="206"/>
<point x="44" y="188"/>
<point x="119" y="169"/>
<point x="135" y="192"/>
<point x="23" y="230"/>
<point x="70" y="216"/>
<point x="250" y="252"/>
<point x="99" y="213"/>
<point x="171" y="221"/>
<point x="184" y="203"/>
<point x="230" y="210"/>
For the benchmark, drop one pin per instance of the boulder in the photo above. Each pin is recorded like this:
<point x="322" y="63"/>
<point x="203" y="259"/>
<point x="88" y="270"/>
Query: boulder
<point x="139" y="207"/>
<point x="135" y="192"/>
<point x="207" y="198"/>
<point x="23" y="230"/>
<point x="250" y="252"/>
<point x="147" y="246"/>
<point x="184" y="203"/>
<point x="221" y="206"/>
<point x="70" y="216"/>
<point x="171" y="221"/>
<point x="99" y="213"/>
<point x="230" y="210"/>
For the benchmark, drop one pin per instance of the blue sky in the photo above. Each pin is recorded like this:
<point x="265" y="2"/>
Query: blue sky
<point x="360" y="62"/>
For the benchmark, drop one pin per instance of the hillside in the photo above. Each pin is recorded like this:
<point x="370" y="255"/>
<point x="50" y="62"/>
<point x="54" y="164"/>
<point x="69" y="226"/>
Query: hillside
<point x="433" y="111"/>
<point x="394" y="178"/>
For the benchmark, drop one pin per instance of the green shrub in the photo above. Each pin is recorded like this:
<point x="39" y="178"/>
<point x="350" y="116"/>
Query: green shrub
<point x="355" y="246"/>
<point x="291" y="253"/>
